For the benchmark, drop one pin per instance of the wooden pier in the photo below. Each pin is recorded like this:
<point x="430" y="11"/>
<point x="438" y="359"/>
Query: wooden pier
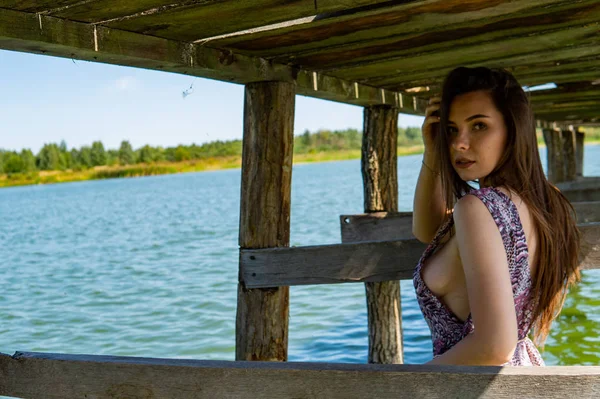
<point x="385" y="56"/>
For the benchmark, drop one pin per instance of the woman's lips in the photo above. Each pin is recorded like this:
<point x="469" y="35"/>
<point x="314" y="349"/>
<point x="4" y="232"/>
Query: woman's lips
<point x="464" y="164"/>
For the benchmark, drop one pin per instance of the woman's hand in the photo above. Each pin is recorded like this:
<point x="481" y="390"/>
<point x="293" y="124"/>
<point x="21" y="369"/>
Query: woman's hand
<point x="431" y="124"/>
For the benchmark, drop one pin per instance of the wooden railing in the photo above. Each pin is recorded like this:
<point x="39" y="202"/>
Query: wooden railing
<point x="373" y="252"/>
<point x="47" y="375"/>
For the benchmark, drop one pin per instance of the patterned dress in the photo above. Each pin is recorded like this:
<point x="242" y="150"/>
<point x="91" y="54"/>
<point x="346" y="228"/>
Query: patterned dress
<point x="446" y="329"/>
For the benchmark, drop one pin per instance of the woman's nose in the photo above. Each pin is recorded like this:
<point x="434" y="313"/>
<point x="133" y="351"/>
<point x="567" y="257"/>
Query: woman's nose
<point x="461" y="140"/>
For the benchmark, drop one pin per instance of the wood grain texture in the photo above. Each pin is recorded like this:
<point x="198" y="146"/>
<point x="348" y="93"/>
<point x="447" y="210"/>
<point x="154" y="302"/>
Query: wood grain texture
<point x="379" y="162"/>
<point x="388" y="226"/>
<point x="461" y="30"/>
<point x="555" y="155"/>
<point x="330" y="264"/>
<point x="49" y="375"/>
<point x="568" y="147"/>
<point x="262" y="315"/>
<point x="359" y="34"/>
<point x="579" y="152"/>
<point x="492" y="52"/>
<point x="581" y="190"/>
<point x="198" y="20"/>
<point x="382" y="226"/>
<point x="360" y="262"/>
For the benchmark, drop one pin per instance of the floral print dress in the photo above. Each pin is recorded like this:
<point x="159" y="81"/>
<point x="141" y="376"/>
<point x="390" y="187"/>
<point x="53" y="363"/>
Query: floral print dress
<point x="446" y="329"/>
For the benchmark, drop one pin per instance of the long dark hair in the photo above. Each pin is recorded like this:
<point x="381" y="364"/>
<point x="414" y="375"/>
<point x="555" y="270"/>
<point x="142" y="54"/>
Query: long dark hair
<point x="519" y="170"/>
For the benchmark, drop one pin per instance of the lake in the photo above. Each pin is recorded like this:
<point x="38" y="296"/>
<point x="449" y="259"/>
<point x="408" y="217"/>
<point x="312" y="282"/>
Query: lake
<point x="148" y="267"/>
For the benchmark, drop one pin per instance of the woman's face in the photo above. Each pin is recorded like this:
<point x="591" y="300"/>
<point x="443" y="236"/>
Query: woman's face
<point x="477" y="135"/>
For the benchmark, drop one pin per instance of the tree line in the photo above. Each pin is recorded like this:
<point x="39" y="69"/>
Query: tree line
<point x="57" y="157"/>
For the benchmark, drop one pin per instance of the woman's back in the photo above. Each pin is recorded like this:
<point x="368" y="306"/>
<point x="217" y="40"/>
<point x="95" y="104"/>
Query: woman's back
<point x="443" y="299"/>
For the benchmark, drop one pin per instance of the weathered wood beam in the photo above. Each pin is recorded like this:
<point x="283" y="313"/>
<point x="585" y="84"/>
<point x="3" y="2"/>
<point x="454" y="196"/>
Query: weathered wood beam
<point x="40" y="34"/>
<point x="555" y="155"/>
<point x="384" y="29"/>
<point x="51" y="375"/>
<point x="582" y="194"/>
<point x="379" y="162"/>
<point x="39" y="6"/>
<point x="359" y="262"/>
<point x="497" y="53"/>
<point x="179" y="21"/>
<point x="579" y="151"/>
<point x="435" y="73"/>
<point x="388" y="226"/>
<point x="476" y="32"/>
<point x="568" y="145"/>
<point x="268" y="143"/>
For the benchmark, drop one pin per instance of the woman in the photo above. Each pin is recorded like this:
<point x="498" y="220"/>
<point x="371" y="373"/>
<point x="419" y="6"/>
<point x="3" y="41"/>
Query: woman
<point x="500" y="257"/>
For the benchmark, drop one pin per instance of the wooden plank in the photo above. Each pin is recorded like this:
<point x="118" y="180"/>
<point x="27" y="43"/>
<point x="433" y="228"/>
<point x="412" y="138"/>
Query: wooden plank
<point x="431" y="75"/>
<point x="181" y="21"/>
<point x="359" y="262"/>
<point x="493" y="52"/>
<point x="49" y="375"/>
<point x="330" y="264"/>
<point x="382" y="27"/>
<point x="39" y="6"/>
<point x="263" y="315"/>
<point x="389" y="226"/>
<point x="555" y="155"/>
<point x="41" y="34"/>
<point x="383" y="226"/>
<point x="475" y="31"/>
<point x="579" y="151"/>
<point x="568" y="145"/>
<point x="379" y="160"/>
<point x="586" y="182"/>
<point x="582" y="194"/>
<point x="587" y="211"/>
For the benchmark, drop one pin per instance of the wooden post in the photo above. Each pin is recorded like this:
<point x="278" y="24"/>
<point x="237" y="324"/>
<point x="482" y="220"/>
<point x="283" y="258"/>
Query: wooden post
<point x="380" y="181"/>
<point x="568" y="144"/>
<point x="262" y="314"/>
<point x="556" y="173"/>
<point x="579" y="149"/>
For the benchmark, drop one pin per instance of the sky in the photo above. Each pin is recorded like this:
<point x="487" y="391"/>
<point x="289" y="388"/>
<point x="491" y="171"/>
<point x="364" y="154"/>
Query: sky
<point x="47" y="99"/>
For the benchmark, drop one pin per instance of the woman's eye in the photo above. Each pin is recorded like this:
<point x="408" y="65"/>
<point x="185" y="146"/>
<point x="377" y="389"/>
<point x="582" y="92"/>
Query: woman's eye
<point x="479" y="126"/>
<point x="451" y="130"/>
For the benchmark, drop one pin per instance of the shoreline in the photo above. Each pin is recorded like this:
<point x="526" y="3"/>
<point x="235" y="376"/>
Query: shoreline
<point x="165" y="168"/>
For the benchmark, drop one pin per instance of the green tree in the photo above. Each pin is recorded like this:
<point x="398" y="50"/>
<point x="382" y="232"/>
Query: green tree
<point x="49" y="158"/>
<point x="28" y="160"/>
<point x="98" y="154"/>
<point x="413" y="134"/>
<point x="13" y="163"/>
<point x="75" y="158"/>
<point x="147" y="154"/>
<point x="126" y="154"/>
<point x="85" y="157"/>
<point x="182" y="154"/>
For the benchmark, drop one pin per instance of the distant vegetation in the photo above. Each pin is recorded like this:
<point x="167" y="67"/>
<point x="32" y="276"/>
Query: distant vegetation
<point x="57" y="163"/>
<point x="57" y="157"/>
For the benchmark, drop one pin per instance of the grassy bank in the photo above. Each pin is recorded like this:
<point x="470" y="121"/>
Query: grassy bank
<point x="216" y="163"/>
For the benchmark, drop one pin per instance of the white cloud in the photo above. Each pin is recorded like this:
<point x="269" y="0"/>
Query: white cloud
<point x="126" y="83"/>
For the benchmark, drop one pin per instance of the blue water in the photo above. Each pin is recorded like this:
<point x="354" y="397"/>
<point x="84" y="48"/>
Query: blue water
<point x="148" y="267"/>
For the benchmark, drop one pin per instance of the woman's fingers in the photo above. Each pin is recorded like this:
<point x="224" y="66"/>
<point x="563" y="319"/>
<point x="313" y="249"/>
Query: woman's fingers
<point x="431" y="109"/>
<point x="431" y="119"/>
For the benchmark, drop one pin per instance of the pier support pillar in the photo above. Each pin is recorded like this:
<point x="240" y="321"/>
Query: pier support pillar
<point x="555" y="155"/>
<point x="568" y="144"/>
<point x="579" y="149"/>
<point x="262" y="314"/>
<point x="380" y="181"/>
